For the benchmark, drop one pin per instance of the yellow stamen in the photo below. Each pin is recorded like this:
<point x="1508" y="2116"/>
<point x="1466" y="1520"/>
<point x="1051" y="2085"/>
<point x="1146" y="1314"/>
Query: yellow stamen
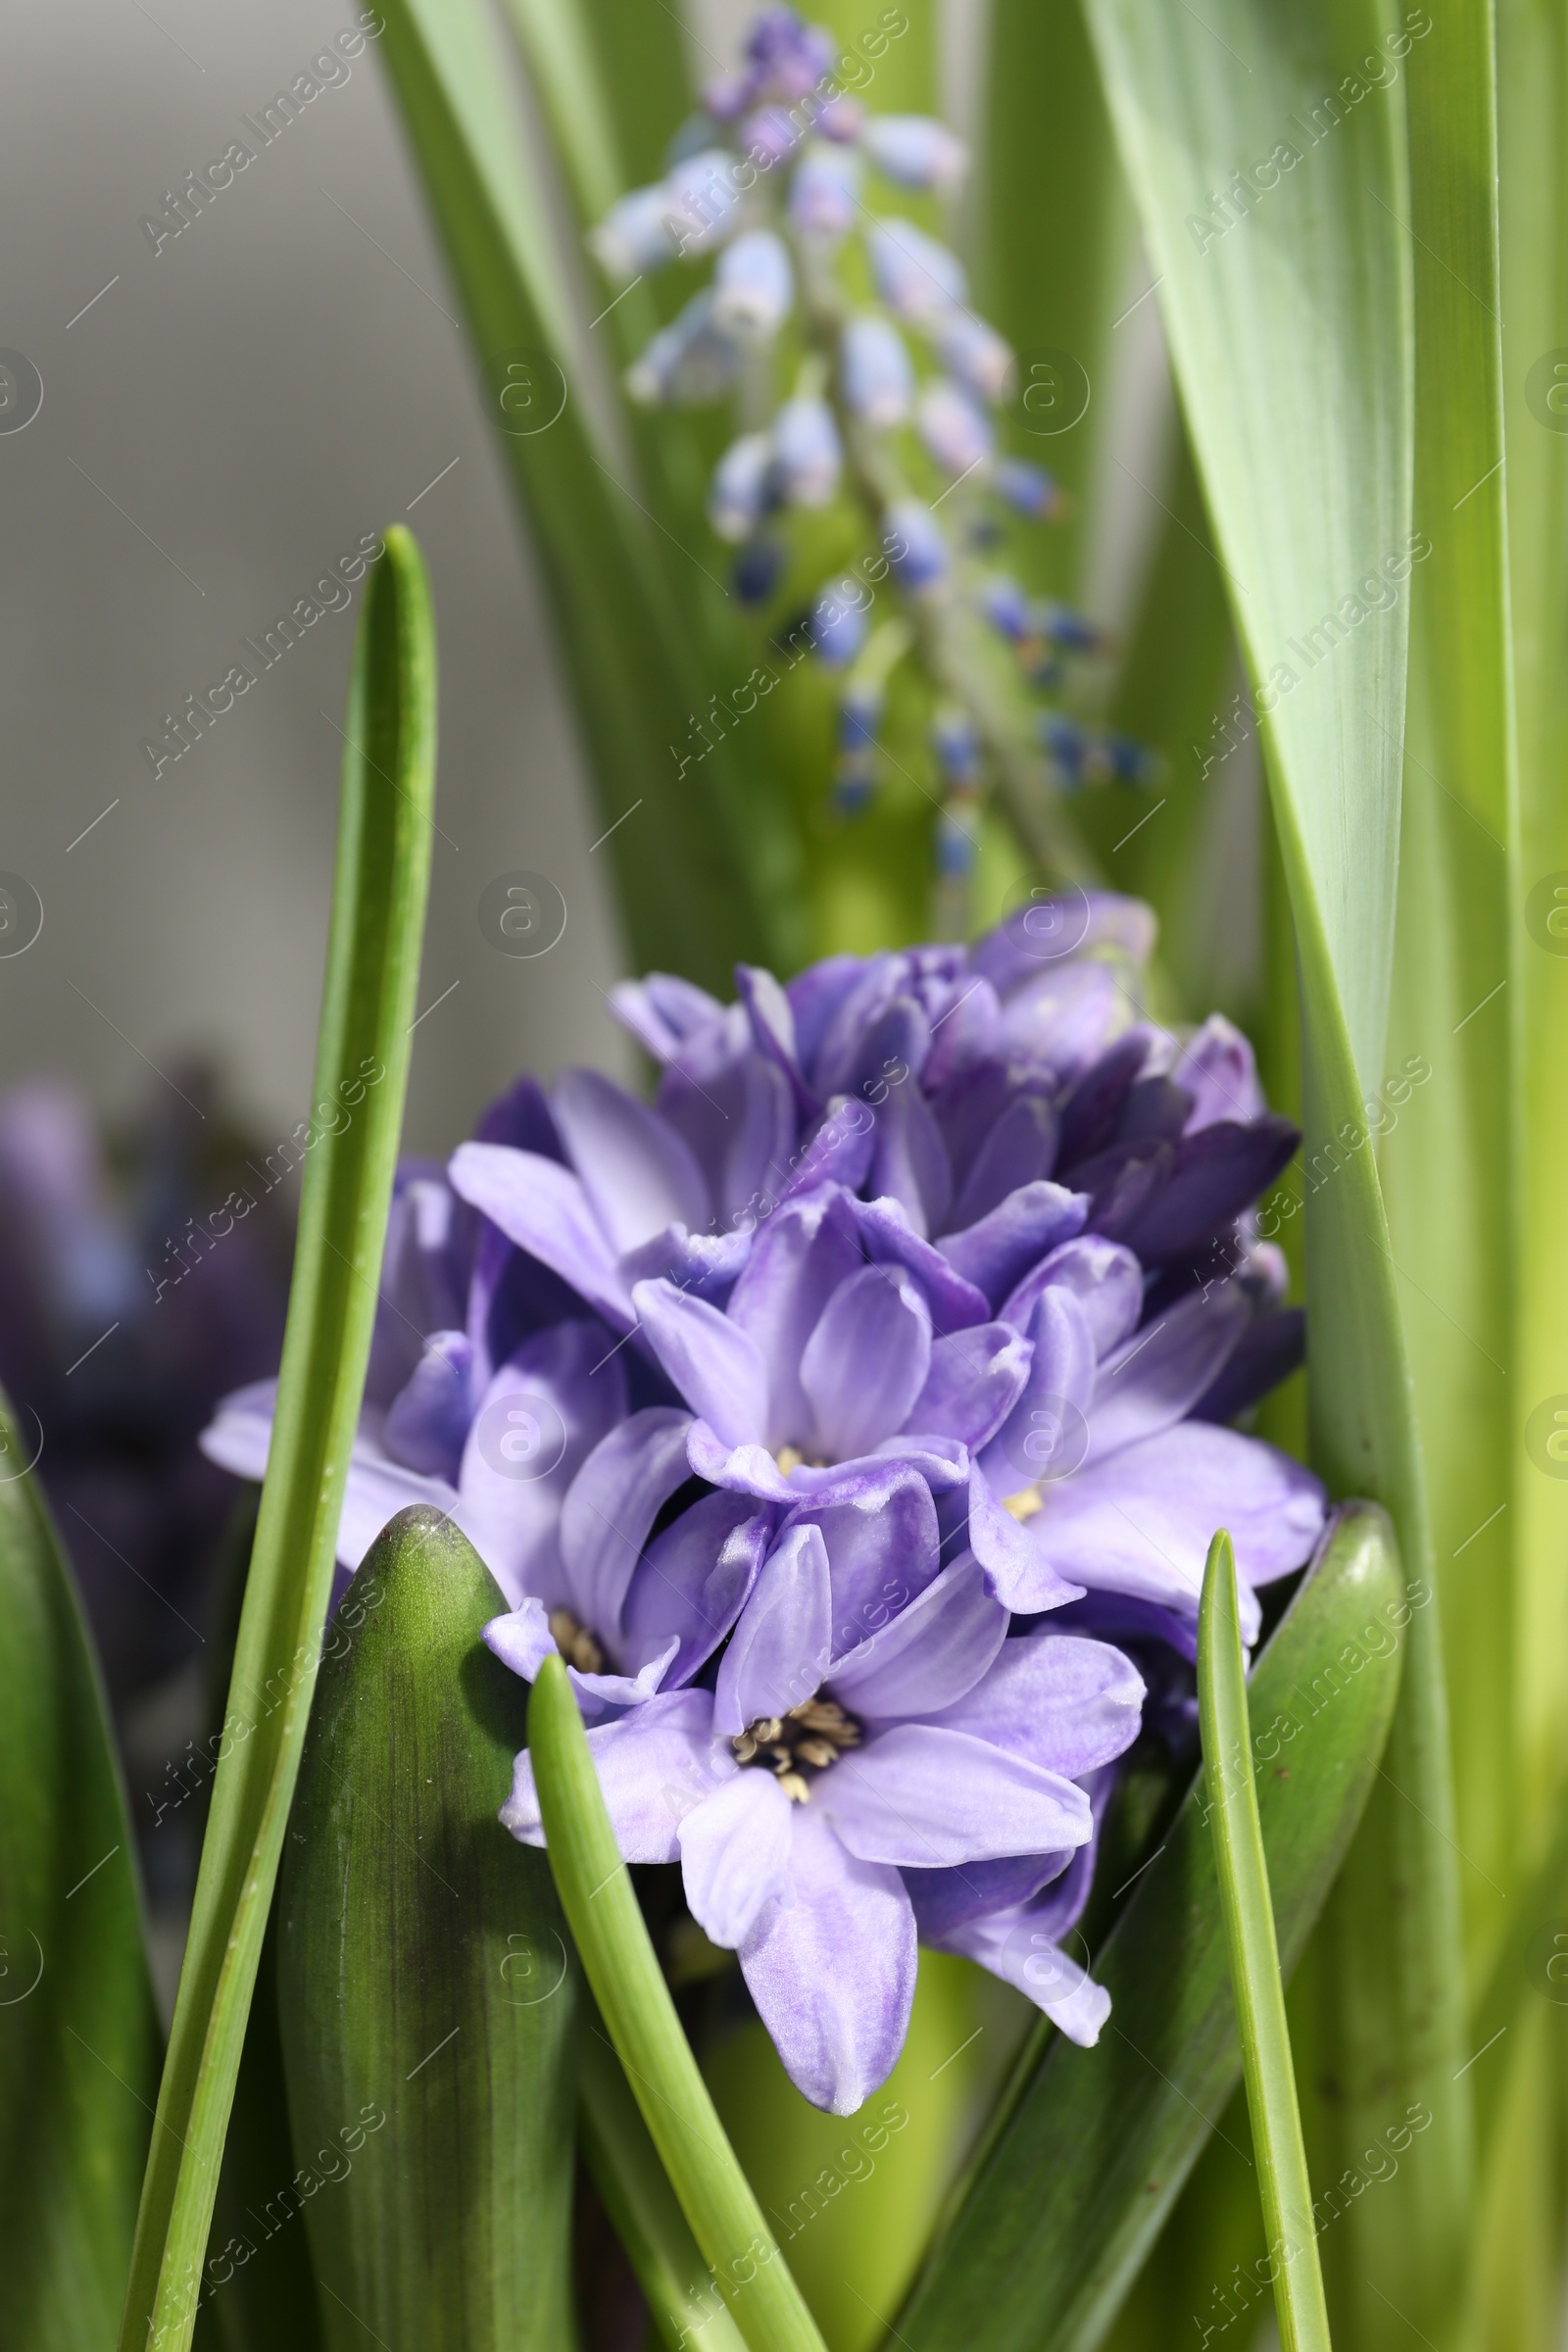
<point x="1025" y="1503"/>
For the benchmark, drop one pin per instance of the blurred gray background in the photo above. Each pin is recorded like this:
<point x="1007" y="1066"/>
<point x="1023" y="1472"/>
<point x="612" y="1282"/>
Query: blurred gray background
<point x="221" y="423"/>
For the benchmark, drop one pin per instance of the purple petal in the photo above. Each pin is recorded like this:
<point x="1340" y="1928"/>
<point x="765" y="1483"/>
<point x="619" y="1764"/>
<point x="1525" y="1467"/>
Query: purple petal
<point x="653" y="1766"/>
<point x="538" y="1421"/>
<point x="1123" y="1180"/>
<point x="815" y="996"/>
<point x="1269" y="1350"/>
<point x="757" y="1161"/>
<point x="544" y="1210"/>
<point x="946" y="1899"/>
<point x="889" y="1239"/>
<point x="665" y="1014"/>
<point x="1076" y="921"/>
<point x="1104" y="1276"/>
<point x="1014" y="1947"/>
<point x="1217" y="1173"/>
<point x="976" y="1378"/>
<point x="866" y="1361"/>
<point x="741" y="1469"/>
<point x="522" y="1640"/>
<point x="1156" y="1377"/>
<point x="735" y="1855"/>
<point x="838" y="1150"/>
<point x="634" y="1167"/>
<point x="599" y="1693"/>
<point x="710" y="1358"/>
<point x="799" y="1258"/>
<point x="874" y="1022"/>
<point x="1217" y="1069"/>
<point x="1060" y="1022"/>
<point x="831" y="1968"/>
<point x="1089" y="1114"/>
<point x="612" y="1502"/>
<point x="427" y="1421"/>
<point x="702" y="1265"/>
<point x="521" y="1118"/>
<point x="1142" y="1522"/>
<point x="1154" y="1106"/>
<point x="780" y="1649"/>
<point x="772" y="1023"/>
<point x="1020" y="1148"/>
<point x="1060" y="1702"/>
<point x="932" y="1799"/>
<point x="238" y="1439"/>
<point x="693" y="1581"/>
<point x="965" y="1033"/>
<point x="1045" y="1434"/>
<point x="1016" y="1571"/>
<point x="928" y="1656"/>
<point x="880" y="1530"/>
<point x="996" y="1253"/>
<point x="910" y="1161"/>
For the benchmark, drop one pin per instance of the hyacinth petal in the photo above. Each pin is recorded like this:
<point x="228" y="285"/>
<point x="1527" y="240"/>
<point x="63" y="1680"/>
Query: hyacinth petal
<point x="522" y="1640"/>
<point x="1216" y="1066"/>
<point x="803" y="1253"/>
<point x="1217" y="1172"/>
<point x="953" y="427"/>
<point x="883" y="1544"/>
<point x="1000" y="1248"/>
<point x="711" y="1361"/>
<point x="915" y="151"/>
<point x="429" y="1419"/>
<point x="737" y="498"/>
<point x="597" y="1693"/>
<point x="734" y="1856"/>
<point x="934" y="1798"/>
<point x="1154" y="1379"/>
<point x="1016" y="1571"/>
<point x="667" y="1016"/>
<point x="635" y="1170"/>
<point x="807" y="452"/>
<point x="1064" y="1704"/>
<point x="652" y="1765"/>
<point x="1062" y="1017"/>
<point x="1140" y="1523"/>
<point x="543" y="1209"/>
<point x="780" y="1649"/>
<point x="1102" y="1276"/>
<point x="610" y="1507"/>
<point x="634" y="237"/>
<point x="758" y="1158"/>
<point x="754" y="287"/>
<point x="1023" y="1954"/>
<point x="831" y="1968"/>
<point x="704" y="1265"/>
<point x="693" y="1580"/>
<point x="876" y="371"/>
<point x="889" y="1239"/>
<point x="1270" y="1349"/>
<point x="541" y="1415"/>
<point x="866" y="1361"/>
<point x="914" y="275"/>
<point x="916" y="545"/>
<point x="1043" y="1436"/>
<point x="1018" y="1149"/>
<point x="927" y="1655"/>
<point x="824" y="193"/>
<point x="771" y="1017"/>
<point x="976" y="1378"/>
<point x="910" y="1160"/>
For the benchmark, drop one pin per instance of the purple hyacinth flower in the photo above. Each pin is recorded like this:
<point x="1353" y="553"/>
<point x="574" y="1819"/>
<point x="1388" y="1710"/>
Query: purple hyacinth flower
<point x="691" y="361"/>
<point x="771" y="136"/>
<point x="807" y="452"/>
<point x="875" y="372"/>
<point x="754" y="287"/>
<point x="738" y="494"/>
<point x="953" y="428"/>
<point x="701" y="200"/>
<point x="917" y="549"/>
<point x="1029" y="489"/>
<point x="976" y="355"/>
<point x="786" y="56"/>
<point x="797" y="1792"/>
<point x="838" y="626"/>
<point x="915" y="151"/>
<point x="636" y="235"/>
<point x="824" y="193"/>
<point x="914" y="275"/>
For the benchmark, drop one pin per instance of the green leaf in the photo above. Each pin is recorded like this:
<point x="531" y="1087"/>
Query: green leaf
<point x="1088" y="2156"/>
<point x="1242" y="1872"/>
<point x="382" y="878"/>
<point x="646" y="2212"/>
<point x="618" y="1959"/>
<point x="426" y="2002"/>
<point x="1289" y="308"/>
<point x="78" y="2033"/>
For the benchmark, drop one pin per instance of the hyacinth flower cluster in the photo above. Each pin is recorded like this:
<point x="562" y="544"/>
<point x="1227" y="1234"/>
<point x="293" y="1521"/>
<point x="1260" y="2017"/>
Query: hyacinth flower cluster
<point x="844" y="334"/>
<point x="854" y="1419"/>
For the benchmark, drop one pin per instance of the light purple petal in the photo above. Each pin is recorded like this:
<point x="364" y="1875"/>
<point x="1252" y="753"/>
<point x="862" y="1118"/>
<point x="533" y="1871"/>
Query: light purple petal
<point x="910" y="1161"/>
<point x="612" y="1502"/>
<point x="798" y="1261"/>
<point x="538" y="1420"/>
<point x="976" y="1378"/>
<point x="880" y="1530"/>
<point x="831" y="1968"/>
<point x="930" y="1653"/>
<point x="1046" y="1435"/>
<point x="1011" y="1946"/>
<point x="693" y="1580"/>
<point x="701" y="1265"/>
<point x="1105" y="1278"/>
<point x="635" y="1170"/>
<point x="427" y="1421"/>
<point x="712" y="1362"/>
<point x="1154" y="1379"/>
<point x="238" y="1438"/>
<point x="1142" y="1522"/>
<point x="743" y="1469"/>
<point x="522" y="1640"/>
<point x="734" y="1856"/>
<point x="1217" y="1173"/>
<point x="998" y="1251"/>
<point x="838" y="1150"/>
<point x="1217" y="1069"/>
<point x="932" y="1799"/>
<point x="653" y="1766"/>
<point x="772" y="1023"/>
<point x="1017" y="1570"/>
<point x="866" y="1361"/>
<point x="544" y="1210"/>
<point x="779" y="1652"/>
<point x="758" y="1158"/>
<point x="1019" y="1149"/>
<point x="889" y="1239"/>
<point x="1063" y="1703"/>
<point x="597" y="1693"/>
<point x="1062" y="1021"/>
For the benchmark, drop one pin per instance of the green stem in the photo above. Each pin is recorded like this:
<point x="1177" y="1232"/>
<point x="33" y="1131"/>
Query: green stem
<point x="1243" y="1872"/>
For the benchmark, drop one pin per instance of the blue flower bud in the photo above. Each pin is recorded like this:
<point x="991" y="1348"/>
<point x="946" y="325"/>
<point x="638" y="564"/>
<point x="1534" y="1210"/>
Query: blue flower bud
<point x="738" y="494"/>
<point x="823" y="195"/>
<point x="914" y="544"/>
<point x="915" y="151"/>
<point x="955" y="741"/>
<point x="914" y="275"/>
<point x="975" y="353"/>
<point x="838" y="625"/>
<point x="1028" y="488"/>
<point x="875" y="373"/>
<point x="701" y="200"/>
<point x="807" y="452"/>
<point x="956" y="848"/>
<point x="634" y="237"/>
<point x="689" y="362"/>
<point x="759" y="569"/>
<point x="842" y="119"/>
<point x="754" y="287"/>
<point x="1005" y="606"/>
<point x="953" y="430"/>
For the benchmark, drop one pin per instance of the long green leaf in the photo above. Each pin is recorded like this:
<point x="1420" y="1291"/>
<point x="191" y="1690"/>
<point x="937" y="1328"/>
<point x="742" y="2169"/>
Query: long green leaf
<point x="79" y="2034"/>
<point x="382" y="878"/>
<point x="1288" y="301"/>
<point x="1242" y="1872"/>
<point x="1097" y="2144"/>
<point x="622" y="1968"/>
<point x="425" y="1993"/>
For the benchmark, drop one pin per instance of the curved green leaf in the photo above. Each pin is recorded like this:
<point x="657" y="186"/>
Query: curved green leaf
<point x="618" y="1959"/>
<point x="1089" y="2155"/>
<point x="425" y="1998"/>
<point x="78" y="2033"/>
<point x="368" y="1011"/>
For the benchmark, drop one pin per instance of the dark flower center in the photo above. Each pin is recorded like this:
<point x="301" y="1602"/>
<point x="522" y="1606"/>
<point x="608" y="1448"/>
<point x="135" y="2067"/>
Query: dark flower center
<point x="797" y="1746"/>
<point x="576" y="1644"/>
